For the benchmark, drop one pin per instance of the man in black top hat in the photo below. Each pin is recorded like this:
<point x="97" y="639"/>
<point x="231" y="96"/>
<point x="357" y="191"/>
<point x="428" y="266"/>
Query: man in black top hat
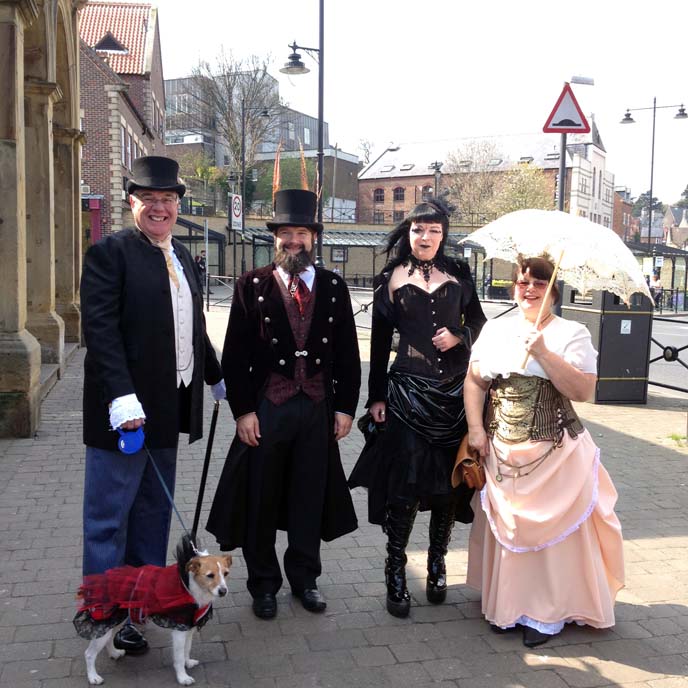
<point x="147" y="357"/>
<point x="292" y="367"/>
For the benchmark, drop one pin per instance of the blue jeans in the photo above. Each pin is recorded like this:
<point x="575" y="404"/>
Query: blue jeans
<point x="126" y="512"/>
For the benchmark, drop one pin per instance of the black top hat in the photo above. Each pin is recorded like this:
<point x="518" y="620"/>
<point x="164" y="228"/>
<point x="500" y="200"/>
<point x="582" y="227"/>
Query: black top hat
<point x="295" y="208"/>
<point x="155" y="172"/>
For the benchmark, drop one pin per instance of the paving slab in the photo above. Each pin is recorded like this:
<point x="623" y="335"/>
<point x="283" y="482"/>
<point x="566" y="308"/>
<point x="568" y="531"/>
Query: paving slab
<point x="355" y="643"/>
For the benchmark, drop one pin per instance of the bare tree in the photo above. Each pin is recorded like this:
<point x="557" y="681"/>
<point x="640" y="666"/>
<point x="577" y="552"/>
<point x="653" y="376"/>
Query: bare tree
<point x="364" y="145"/>
<point x="230" y="86"/>
<point x="523" y="186"/>
<point x="472" y="176"/>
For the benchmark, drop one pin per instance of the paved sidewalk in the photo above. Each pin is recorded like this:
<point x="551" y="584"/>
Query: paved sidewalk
<point x="355" y="643"/>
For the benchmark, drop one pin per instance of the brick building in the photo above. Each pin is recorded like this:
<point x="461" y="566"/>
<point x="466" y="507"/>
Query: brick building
<point x="122" y="103"/>
<point x="625" y="225"/>
<point x="403" y="176"/>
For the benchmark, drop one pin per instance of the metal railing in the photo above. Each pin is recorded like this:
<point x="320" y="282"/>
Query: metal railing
<point x="672" y="300"/>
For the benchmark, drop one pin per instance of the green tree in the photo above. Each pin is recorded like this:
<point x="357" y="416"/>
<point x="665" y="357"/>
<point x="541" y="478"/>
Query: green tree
<point x="643" y="203"/>
<point x="683" y="203"/>
<point x="523" y="186"/>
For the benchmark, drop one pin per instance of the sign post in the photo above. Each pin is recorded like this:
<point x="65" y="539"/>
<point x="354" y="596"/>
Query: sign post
<point x="566" y="118"/>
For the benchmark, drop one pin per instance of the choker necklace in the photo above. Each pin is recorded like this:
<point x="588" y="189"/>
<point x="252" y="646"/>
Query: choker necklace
<point x="423" y="266"/>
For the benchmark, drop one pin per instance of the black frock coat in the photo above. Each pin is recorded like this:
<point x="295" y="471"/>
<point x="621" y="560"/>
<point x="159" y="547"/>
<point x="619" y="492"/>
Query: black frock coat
<point x="259" y="341"/>
<point x="128" y="326"/>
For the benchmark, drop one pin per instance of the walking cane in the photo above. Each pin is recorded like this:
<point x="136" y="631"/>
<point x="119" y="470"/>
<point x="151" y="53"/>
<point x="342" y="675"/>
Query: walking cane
<point x="206" y="464"/>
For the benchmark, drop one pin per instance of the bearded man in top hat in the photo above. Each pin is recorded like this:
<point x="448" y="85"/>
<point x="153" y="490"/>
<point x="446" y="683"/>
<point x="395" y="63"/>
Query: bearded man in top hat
<point x="292" y="367"/>
<point x="147" y="357"/>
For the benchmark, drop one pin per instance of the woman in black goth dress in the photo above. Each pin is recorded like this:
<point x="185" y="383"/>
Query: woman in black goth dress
<point x="431" y="301"/>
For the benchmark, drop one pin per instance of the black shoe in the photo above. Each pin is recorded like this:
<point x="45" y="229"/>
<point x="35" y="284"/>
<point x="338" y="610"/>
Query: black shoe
<point x="265" y="606"/>
<point x="499" y="630"/>
<point x="312" y="600"/>
<point x="533" y="638"/>
<point x="130" y="639"/>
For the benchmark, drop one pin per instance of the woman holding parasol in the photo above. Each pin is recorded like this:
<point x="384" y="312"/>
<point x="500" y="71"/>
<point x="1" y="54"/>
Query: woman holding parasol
<point x="545" y="548"/>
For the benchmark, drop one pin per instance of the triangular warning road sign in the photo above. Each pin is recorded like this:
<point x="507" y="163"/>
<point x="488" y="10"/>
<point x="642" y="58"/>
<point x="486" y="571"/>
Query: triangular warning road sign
<point x="566" y="117"/>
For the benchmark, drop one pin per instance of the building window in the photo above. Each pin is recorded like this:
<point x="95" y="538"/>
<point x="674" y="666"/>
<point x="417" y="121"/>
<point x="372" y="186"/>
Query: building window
<point x="399" y="193"/>
<point x="128" y="151"/>
<point x="398" y="215"/>
<point x="291" y="134"/>
<point x="378" y="218"/>
<point x="306" y="136"/>
<point x="584" y="185"/>
<point x="426" y="194"/>
<point x="379" y="195"/>
<point x="123" y="144"/>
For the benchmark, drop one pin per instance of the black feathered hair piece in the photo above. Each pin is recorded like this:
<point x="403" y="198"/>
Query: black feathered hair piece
<point x="397" y="241"/>
<point x="188" y="547"/>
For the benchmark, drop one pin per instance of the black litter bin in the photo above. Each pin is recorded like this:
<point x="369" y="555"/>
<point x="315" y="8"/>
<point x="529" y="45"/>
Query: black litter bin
<point x="621" y="334"/>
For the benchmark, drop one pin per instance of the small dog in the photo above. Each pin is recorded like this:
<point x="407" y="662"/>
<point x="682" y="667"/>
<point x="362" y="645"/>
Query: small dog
<point x="178" y="597"/>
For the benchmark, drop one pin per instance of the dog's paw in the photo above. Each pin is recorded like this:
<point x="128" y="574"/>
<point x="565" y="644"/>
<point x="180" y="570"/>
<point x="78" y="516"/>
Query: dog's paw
<point x="95" y="679"/>
<point x="116" y="654"/>
<point x="185" y="680"/>
<point x="191" y="663"/>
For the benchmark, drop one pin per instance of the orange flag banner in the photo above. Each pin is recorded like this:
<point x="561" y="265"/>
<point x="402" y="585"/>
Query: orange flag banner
<point x="276" y="173"/>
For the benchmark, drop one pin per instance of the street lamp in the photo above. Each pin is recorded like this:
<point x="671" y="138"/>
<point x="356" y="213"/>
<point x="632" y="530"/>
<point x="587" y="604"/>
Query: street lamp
<point x="681" y="114"/>
<point x="294" y="65"/>
<point x="264" y="113"/>
<point x="436" y="167"/>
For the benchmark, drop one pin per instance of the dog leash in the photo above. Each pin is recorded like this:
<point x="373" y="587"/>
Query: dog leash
<point x="131" y="443"/>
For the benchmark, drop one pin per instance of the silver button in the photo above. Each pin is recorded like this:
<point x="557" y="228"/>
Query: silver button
<point x="334" y="298"/>
<point x="439" y="360"/>
<point x="330" y="319"/>
<point x="324" y="340"/>
<point x="433" y="312"/>
<point x="260" y="299"/>
<point x="317" y="361"/>
<point x="283" y="362"/>
<point x="334" y="281"/>
<point x="274" y="340"/>
<point x="441" y="371"/>
<point x="267" y="320"/>
<point x="435" y="324"/>
<point x="255" y="280"/>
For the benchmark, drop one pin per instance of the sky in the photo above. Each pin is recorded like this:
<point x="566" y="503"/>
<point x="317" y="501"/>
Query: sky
<point x="445" y="70"/>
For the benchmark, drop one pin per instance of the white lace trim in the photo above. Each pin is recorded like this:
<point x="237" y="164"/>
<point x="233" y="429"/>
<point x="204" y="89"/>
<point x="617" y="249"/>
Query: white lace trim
<point x="559" y="538"/>
<point x="125" y="408"/>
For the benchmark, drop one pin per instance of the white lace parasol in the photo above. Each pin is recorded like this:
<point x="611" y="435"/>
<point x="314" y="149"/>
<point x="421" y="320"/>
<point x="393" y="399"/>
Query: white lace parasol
<point x="592" y="256"/>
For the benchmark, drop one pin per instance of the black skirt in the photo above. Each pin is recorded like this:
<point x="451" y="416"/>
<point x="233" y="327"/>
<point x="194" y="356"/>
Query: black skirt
<point x="410" y="458"/>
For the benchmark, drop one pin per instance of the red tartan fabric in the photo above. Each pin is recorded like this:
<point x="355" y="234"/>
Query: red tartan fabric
<point x="142" y="591"/>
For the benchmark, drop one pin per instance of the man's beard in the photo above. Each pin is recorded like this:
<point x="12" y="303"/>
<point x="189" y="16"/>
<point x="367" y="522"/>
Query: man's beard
<point x="292" y="264"/>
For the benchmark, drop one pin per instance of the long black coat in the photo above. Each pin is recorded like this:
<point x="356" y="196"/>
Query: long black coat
<point x="128" y="325"/>
<point x="260" y="340"/>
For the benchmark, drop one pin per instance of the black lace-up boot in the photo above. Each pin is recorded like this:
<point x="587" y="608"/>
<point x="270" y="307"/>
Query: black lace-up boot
<point x="441" y="524"/>
<point x="398" y="526"/>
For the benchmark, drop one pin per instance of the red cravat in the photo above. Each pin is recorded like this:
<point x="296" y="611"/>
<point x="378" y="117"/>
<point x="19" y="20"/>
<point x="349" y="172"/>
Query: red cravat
<point x="299" y="291"/>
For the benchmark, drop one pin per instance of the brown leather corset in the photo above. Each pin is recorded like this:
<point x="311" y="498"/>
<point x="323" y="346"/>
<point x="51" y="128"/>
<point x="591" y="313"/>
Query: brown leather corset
<point x="529" y="408"/>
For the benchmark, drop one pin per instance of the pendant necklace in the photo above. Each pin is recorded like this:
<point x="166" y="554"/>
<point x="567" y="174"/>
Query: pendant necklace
<point x="425" y="268"/>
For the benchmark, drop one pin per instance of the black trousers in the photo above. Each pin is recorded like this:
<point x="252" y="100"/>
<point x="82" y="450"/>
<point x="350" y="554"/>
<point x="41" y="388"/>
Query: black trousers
<point x="287" y="474"/>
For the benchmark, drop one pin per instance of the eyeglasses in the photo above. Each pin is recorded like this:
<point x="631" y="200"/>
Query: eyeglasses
<point x="536" y="284"/>
<point x="150" y="199"/>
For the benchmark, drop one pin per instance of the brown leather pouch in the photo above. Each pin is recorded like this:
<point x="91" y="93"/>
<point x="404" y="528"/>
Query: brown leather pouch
<point x="467" y="468"/>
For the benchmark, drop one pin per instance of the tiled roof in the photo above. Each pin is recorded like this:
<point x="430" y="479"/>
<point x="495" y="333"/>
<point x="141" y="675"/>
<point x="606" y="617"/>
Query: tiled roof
<point x="129" y="23"/>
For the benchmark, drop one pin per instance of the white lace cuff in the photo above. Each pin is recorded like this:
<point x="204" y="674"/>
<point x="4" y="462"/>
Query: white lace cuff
<point x="125" y="408"/>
